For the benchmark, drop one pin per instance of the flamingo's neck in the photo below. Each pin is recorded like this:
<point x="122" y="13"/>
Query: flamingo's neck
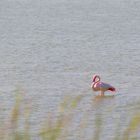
<point x="96" y="79"/>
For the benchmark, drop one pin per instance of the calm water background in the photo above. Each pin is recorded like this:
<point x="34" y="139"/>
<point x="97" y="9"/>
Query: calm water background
<point x="52" y="48"/>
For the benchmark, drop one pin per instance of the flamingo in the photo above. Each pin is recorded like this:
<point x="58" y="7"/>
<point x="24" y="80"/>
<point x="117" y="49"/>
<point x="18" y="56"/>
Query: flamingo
<point x="97" y="85"/>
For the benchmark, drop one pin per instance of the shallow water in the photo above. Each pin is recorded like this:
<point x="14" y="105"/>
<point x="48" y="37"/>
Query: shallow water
<point x="52" y="48"/>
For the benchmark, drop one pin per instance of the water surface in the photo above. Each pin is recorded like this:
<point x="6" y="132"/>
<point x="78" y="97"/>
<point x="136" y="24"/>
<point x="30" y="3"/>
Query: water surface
<point x="52" y="48"/>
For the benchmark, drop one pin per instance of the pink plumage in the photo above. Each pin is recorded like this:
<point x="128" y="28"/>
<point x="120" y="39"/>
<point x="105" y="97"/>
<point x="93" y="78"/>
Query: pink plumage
<point x="97" y="85"/>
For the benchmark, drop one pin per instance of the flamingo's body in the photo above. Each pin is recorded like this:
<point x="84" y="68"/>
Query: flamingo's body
<point x="97" y="85"/>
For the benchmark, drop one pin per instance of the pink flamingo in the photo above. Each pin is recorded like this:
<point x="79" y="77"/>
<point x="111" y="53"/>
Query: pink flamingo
<point x="100" y="86"/>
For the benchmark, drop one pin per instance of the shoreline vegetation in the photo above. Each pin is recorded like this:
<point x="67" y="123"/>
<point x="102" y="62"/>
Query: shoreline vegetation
<point x="58" y="128"/>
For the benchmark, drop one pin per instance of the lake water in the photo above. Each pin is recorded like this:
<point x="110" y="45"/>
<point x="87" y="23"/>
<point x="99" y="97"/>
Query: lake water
<point x="52" y="49"/>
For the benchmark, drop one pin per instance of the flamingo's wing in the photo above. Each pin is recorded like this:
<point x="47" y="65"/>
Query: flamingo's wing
<point x="104" y="85"/>
<point x="107" y="86"/>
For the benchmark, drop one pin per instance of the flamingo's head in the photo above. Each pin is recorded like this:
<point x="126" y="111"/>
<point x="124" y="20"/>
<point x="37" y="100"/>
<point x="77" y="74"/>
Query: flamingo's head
<point x="96" y="78"/>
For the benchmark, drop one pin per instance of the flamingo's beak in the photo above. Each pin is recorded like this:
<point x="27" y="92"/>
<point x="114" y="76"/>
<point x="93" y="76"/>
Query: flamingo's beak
<point x="94" y="77"/>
